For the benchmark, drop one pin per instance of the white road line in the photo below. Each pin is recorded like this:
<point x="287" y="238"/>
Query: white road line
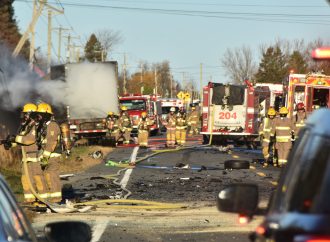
<point x="125" y="179"/>
<point x="98" y="230"/>
<point x="128" y="172"/>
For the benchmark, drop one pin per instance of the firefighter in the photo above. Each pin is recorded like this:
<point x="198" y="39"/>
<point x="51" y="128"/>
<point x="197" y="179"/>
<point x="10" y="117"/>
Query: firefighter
<point x="265" y="135"/>
<point x="125" y="125"/>
<point x="181" y="127"/>
<point x="26" y="137"/>
<point x="192" y="120"/>
<point x="49" y="144"/>
<point x="282" y="130"/>
<point x="113" y="127"/>
<point x="170" y="128"/>
<point x="143" y="130"/>
<point x="299" y="119"/>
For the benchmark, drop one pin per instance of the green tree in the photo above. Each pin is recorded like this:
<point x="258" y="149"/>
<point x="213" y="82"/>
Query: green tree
<point x="273" y="67"/>
<point x="93" y="50"/>
<point x="9" y="32"/>
<point x="297" y="62"/>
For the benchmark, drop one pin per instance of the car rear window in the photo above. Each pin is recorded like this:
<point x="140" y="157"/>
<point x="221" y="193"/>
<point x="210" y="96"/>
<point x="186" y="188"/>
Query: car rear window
<point x="312" y="177"/>
<point x="304" y="185"/>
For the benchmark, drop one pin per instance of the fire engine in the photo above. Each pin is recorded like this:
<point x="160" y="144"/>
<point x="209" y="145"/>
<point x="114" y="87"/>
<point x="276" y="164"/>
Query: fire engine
<point x="233" y="112"/>
<point x="137" y="103"/>
<point x="312" y="89"/>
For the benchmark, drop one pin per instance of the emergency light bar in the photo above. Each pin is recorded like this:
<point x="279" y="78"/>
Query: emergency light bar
<point x="322" y="53"/>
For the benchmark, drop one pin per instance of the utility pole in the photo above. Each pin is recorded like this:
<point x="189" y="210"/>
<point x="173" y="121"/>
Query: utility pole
<point x="36" y="14"/>
<point x="201" y="83"/>
<point x="124" y="72"/>
<point x="183" y="82"/>
<point x="69" y="47"/>
<point x="32" y="44"/>
<point x="49" y="49"/>
<point x="142" y="86"/>
<point x="171" y="79"/>
<point x="59" y="50"/>
<point x="156" y="81"/>
<point x="76" y="52"/>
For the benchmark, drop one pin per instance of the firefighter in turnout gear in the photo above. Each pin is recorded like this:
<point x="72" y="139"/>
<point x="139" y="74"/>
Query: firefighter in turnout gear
<point x="193" y="119"/>
<point x="143" y="130"/>
<point x="170" y="128"/>
<point x="26" y="138"/>
<point x="48" y="140"/>
<point x="112" y="125"/>
<point x="265" y="135"/>
<point x="125" y="125"/>
<point x="299" y="119"/>
<point x="282" y="130"/>
<point x="181" y="127"/>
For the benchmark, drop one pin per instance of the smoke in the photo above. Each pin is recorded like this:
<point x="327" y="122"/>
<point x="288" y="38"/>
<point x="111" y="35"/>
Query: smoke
<point x="90" y="89"/>
<point x="17" y="82"/>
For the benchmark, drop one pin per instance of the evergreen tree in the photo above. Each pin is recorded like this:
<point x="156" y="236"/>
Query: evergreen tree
<point x="272" y="68"/>
<point x="297" y="63"/>
<point x="93" y="50"/>
<point x="9" y="32"/>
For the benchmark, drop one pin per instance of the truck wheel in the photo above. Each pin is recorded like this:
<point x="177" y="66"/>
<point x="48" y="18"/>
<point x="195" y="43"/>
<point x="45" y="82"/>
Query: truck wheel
<point x="237" y="164"/>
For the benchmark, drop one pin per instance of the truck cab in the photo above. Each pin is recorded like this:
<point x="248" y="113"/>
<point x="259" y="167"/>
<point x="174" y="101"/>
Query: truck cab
<point x="137" y="104"/>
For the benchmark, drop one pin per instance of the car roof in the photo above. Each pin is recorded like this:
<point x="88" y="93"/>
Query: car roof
<point x="319" y="122"/>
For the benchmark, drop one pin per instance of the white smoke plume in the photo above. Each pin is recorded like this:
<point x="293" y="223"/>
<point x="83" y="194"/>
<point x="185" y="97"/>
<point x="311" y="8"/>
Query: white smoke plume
<point x="90" y="88"/>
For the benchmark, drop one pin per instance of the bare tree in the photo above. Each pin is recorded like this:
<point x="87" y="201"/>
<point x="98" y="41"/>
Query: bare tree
<point x="239" y="64"/>
<point x="109" y="39"/>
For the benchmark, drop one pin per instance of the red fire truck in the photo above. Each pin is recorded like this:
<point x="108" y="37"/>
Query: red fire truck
<point x="136" y="104"/>
<point x="312" y="89"/>
<point x="232" y="112"/>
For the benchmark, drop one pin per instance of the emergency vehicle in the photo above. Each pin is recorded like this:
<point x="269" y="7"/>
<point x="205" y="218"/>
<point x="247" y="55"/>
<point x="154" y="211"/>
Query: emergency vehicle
<point x="137" y="103"/>
<point x="276" y="96"/>
<point x="166" y="104"/>
<point x="312" y="89"/>
<point x="233" y="112"/>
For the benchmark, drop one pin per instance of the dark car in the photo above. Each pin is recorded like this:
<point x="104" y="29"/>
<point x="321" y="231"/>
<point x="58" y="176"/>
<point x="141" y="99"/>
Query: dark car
<point x="299" y="210"/>
<point x="14" y="225"/>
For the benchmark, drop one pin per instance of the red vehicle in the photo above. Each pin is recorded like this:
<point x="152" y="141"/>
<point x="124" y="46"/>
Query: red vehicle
<point x="232" y="112"/>
<point x="311" y="89"/>
<point x="136" y="104"/>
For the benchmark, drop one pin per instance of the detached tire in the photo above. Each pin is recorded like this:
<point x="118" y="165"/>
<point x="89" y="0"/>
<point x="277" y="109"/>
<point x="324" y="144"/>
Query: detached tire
<point x="237" y="164"/>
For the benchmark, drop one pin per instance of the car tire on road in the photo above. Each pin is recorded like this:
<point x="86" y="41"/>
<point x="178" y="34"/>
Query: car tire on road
<point x="237" y="164"/>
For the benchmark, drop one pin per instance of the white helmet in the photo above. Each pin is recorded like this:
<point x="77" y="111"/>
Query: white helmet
<point x="172" y="109"/>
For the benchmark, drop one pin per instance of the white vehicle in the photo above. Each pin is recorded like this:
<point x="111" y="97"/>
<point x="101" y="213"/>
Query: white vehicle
<point x="276" y="96"/>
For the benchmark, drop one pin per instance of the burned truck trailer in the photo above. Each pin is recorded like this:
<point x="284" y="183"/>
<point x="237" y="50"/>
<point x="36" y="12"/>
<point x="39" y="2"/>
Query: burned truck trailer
<point x="92" y="93"/>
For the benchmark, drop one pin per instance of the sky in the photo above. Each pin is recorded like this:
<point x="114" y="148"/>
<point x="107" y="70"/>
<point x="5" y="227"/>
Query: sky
<point x="183" y="32"/>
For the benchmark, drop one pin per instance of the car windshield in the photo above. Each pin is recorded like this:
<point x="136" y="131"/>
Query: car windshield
<point x="134" y="104"/>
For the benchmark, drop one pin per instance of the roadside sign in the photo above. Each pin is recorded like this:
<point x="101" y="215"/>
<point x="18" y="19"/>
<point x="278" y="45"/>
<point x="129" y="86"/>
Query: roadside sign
<point x="181" y="95"/>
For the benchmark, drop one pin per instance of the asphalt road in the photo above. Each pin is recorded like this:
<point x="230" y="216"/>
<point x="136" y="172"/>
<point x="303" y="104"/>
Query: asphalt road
<point x="190" y="178"/>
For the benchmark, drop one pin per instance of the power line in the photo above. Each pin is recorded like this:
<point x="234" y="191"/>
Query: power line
<point x="217" y="4"/>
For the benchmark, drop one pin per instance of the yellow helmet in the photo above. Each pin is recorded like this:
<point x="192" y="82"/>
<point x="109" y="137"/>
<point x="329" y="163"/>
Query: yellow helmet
<point x="44" y="108"/>
<point x="284" y="110"/>
<point x="123" y="108"/>
<point x="110" y="113"/>
<point x="29" y="107"/>
<point x="271" y="112"/>
<point x="144" y="114"/>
